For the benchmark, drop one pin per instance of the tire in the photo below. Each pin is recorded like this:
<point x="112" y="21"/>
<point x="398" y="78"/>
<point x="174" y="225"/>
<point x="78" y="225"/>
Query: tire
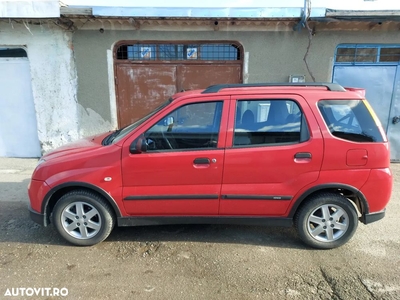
<point x="83" y="218"/>
<point x="326" y="221"/>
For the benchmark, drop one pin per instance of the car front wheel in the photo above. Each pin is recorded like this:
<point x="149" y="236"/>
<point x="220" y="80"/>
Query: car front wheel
<point x="326" y="221"/>
<point x="83" y="218"/>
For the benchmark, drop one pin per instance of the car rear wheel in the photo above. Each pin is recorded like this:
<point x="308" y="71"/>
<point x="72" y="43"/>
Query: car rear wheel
<point x="83" y="218"/>
<point x="326" y="221"/>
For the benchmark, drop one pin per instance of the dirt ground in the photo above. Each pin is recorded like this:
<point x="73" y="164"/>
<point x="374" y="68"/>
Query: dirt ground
<point x="191" y="262"/>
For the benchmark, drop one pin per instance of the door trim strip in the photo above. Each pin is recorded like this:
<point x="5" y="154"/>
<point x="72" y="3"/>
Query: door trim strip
<point x="172" y="197"/>
<point x="256" y="197"/>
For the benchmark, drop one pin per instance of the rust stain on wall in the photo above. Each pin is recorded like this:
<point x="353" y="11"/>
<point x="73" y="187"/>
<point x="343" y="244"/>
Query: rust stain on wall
<point x="143" y="87"/>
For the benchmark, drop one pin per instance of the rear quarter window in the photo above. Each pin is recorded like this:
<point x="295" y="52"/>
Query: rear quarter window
<point x="351" y="120"/>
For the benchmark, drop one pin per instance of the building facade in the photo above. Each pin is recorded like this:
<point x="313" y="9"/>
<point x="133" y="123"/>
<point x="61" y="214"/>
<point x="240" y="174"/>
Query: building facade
<point x="97" y="70"/>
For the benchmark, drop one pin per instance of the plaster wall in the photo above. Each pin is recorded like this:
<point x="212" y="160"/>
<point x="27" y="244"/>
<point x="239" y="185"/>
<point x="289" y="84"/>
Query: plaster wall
<point x="272" y="57"/>
<point x="54" y="79"/>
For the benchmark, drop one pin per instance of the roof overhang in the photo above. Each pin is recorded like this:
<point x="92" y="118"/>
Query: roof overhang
<point x="206" y="12"/>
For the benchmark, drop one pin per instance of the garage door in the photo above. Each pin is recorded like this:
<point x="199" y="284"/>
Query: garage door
<point x="148" y="74"/>
<point x="18" y="128"/>
<point x="376" y="69"/>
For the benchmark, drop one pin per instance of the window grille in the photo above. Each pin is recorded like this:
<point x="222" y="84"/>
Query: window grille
<point x="168" y="52"/>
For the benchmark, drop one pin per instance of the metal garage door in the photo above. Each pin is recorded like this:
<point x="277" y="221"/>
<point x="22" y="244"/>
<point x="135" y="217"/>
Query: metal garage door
<point x="376" y="69"/>
<point x="18" y="128"/>
<point x="148" y="74"/>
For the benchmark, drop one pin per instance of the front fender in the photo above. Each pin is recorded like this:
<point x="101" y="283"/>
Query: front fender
<point x="75" y="185"/>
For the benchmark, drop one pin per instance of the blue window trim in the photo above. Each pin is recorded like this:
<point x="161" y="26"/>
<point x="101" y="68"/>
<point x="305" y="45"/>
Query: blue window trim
<point x="366" y="46"/>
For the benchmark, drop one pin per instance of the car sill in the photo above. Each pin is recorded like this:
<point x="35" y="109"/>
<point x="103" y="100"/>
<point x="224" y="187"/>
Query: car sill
<point x="257" y="221"/>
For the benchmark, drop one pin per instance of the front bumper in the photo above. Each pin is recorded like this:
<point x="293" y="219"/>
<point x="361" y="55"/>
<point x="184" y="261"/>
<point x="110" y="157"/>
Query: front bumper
<point x="37" y="217"/>
<point x="370" y="218"/>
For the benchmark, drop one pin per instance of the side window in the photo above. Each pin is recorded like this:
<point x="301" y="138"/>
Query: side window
<point x="261" y="122"/>
<point x="350" y="120"/>
<point x="192" y="126"/>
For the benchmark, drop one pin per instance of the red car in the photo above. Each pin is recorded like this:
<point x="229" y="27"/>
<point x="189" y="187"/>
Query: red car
<point x="312" y="155"/>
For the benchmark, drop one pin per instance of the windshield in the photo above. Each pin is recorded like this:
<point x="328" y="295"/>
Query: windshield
<point x="126" y="130"/>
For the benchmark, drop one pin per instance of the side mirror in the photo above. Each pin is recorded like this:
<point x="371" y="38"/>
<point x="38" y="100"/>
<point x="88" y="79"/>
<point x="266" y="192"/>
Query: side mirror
<point x="138" y="145"/>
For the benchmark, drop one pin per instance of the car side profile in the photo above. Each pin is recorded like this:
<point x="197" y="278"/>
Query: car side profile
<point x="309" y="155"/>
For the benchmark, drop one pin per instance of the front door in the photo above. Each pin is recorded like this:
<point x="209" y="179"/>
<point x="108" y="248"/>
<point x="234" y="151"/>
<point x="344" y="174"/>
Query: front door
<point x="271" y="154"/>
<point x="180" y="173"/>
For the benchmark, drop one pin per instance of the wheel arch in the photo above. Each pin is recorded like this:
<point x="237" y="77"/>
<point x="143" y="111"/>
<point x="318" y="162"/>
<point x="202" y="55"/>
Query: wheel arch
<point x="57" y="192"/>
<point x="350" y="192"/>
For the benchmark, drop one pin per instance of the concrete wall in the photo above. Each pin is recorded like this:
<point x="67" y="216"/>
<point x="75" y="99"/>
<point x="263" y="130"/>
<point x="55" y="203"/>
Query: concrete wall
<point x="273" y="56"/>
<point x="54" y="79"/>
<point x="73" y="80"/>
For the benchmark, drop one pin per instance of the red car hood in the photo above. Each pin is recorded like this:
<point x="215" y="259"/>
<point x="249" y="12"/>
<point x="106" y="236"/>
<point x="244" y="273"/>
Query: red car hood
<point x="80" y="146"/>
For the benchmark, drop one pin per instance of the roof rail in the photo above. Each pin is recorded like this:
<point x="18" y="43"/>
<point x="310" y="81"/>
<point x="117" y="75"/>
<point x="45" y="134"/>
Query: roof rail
<point x="216" y="88"/>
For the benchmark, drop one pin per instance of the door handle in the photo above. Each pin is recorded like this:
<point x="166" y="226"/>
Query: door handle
<point x="396" y="119"/>
<point x="303" y="155"/>
<point x="201" y="161"/>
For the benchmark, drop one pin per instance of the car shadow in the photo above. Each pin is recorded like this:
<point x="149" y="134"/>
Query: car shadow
<point x="17" y="227"/>
<point x="207" y="233"/>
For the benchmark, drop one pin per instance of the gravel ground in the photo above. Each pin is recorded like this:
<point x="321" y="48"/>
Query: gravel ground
<point x="192" y="262"/>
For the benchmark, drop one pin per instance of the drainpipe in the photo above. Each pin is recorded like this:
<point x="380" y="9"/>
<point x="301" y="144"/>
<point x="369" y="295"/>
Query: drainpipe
<point x="304" y="16"/>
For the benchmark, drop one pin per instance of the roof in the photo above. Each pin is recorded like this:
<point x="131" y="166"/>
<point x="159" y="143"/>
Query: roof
<point x="328" y="85"/>
<point x="229" y="13"/>
<point x="205" y="12"/>
<point x="207" y="9"/>
<point x="336" y="91"/>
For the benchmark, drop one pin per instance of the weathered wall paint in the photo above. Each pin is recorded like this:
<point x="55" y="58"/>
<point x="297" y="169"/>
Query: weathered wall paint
<point x="54" y="79"/>
<point x="72" y="73"/>
<point x="111" y="89"/>
<point x="91" y="123"/>
<point x="272" y="55"/>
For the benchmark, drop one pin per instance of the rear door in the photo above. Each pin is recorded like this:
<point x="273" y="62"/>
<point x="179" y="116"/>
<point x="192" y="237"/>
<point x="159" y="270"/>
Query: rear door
<point x="274" y="148"/>
<point x="181" y="171"/>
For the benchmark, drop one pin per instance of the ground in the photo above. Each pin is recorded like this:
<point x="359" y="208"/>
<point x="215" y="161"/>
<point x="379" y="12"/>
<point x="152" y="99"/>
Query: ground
<point x="192" y="262"/>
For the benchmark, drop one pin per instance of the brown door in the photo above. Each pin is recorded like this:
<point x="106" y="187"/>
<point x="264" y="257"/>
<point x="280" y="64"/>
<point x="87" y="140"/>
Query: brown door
<point x="147" y="74"/>
<point x="141" y="89"/>
<point x="192" y="77"/>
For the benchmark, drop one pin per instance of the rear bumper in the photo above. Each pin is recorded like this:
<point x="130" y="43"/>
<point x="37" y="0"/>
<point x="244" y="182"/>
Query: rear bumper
<point x="370" y="218"/>
<point x="37" y="217"/>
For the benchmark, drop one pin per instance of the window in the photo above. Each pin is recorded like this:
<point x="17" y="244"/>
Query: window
<point x="190" y="52"/>
<point x="12" y="52"/>
<point x="193" y="126"/>
<point x="350" y="120"/>
<point x="260" y="122"/>
<point x="367" y="53"/>
<point x="390" y="54"/>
